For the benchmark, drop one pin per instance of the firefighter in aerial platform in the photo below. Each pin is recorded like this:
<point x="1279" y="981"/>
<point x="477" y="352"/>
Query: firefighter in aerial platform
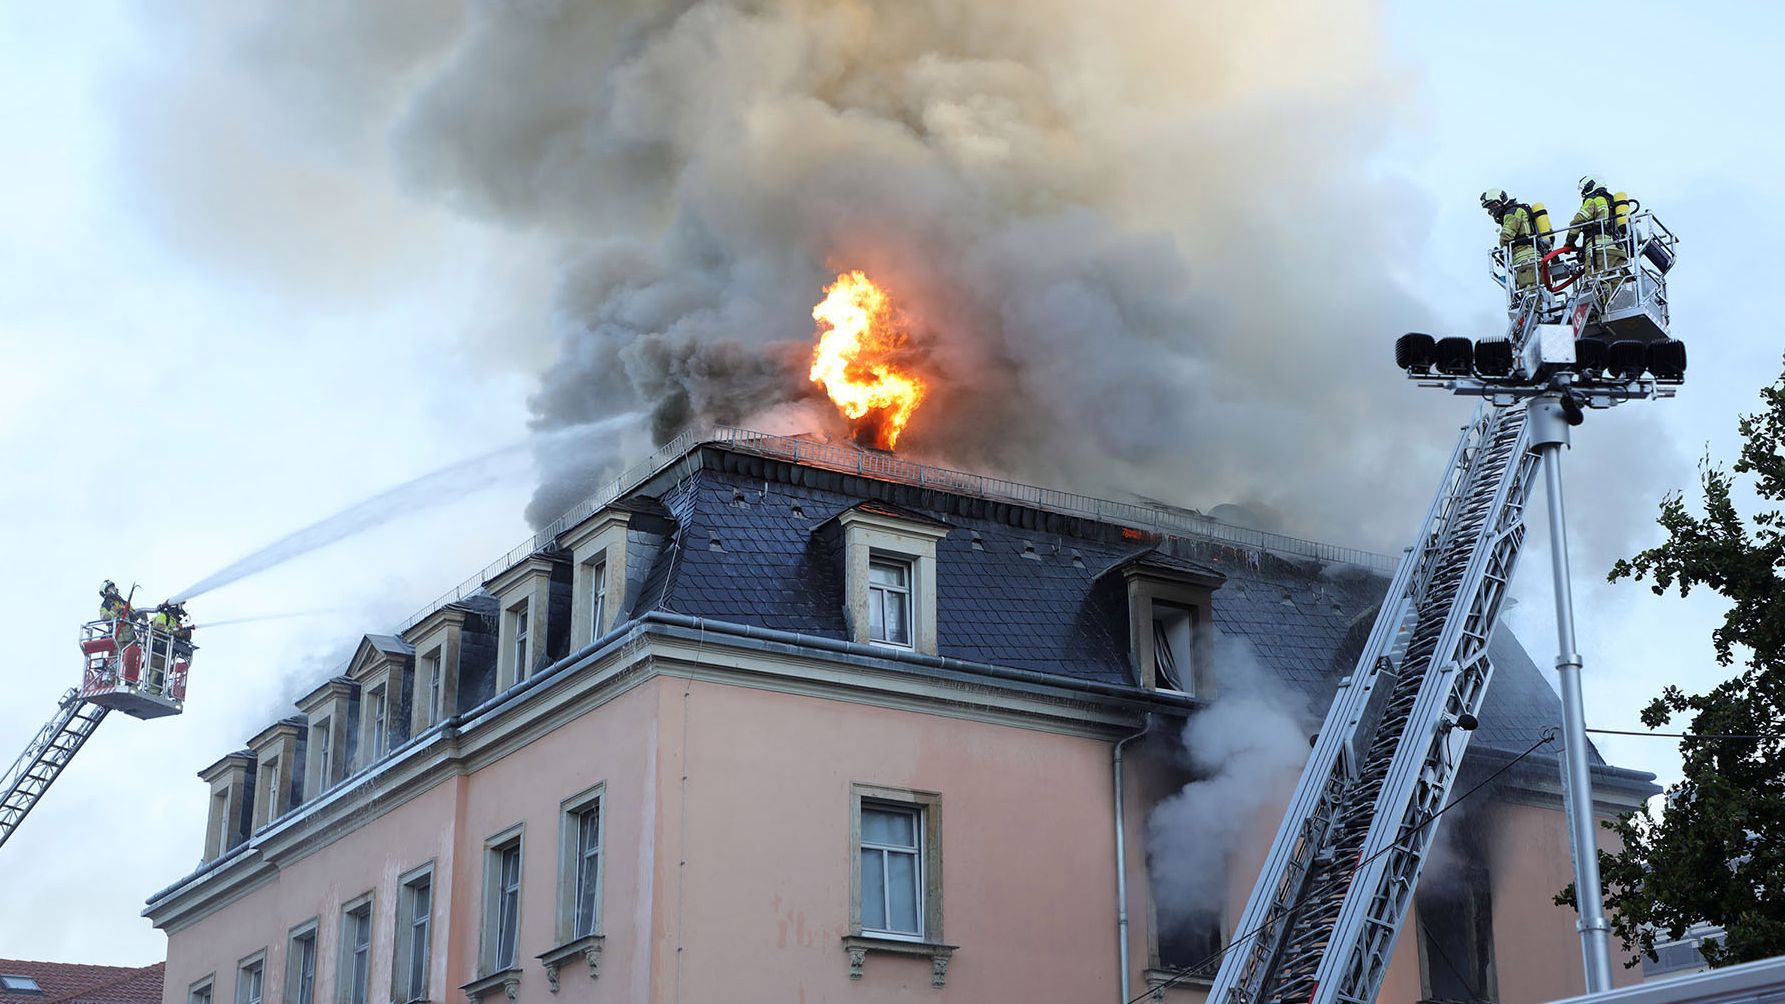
<point x="172" y="636"/>
<point x="1524" y="228"/>
<point x="1599" y="226"/>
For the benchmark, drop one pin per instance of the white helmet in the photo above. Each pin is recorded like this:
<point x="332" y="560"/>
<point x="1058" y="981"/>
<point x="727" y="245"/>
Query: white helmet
<point x="1589" y="183"/>
<point x="1494" y="195"/>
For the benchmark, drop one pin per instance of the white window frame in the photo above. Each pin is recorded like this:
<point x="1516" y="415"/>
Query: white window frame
<point x="403" y="958"/>
<point x="324" y="769"/>
<point x="380" y="731"/>
<point x="294" y="974"/>
<point x="359" y="907"/>
<point x="927" y="808"/>
<point x="491" y="929"/>
<point x="521" y="638"/>
<point x="203" y="991"/>
<point x="907" y="568"/>
<point x="1175" y="668"/>
<point x="434" y="664"/>
<point x="251" y="978"/>
<point x="574" y="881"/>
<point x="883" y="926"/>
<point x="598" y="596"/>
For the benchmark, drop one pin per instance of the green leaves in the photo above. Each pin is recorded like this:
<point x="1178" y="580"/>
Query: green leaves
<point x="1716" y="853"/>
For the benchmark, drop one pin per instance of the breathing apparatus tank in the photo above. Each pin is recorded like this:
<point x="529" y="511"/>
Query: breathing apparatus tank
<point x="1540" y="227"/>
<point x="1620" y="213"/>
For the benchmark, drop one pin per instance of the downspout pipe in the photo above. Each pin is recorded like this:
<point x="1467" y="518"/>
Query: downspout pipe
<point x="1122" y="863"/>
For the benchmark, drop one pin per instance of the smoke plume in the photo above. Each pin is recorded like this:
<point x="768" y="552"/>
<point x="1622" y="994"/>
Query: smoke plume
<point x="1244" y="750"/>
<point x="1140" y="248"/>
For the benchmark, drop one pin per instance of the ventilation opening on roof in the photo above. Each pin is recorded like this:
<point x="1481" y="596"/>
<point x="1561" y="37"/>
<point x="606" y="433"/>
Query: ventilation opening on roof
<point x="1029" y="550"/>
<point x="713" y="542"/>
<point x="799" y="511"/>
<point x="20" y="985"/>
<point x="1078" y="560"/>
<point x="978" y="541"/>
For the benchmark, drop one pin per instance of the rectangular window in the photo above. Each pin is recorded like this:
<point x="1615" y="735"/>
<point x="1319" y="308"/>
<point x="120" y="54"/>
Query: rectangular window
<point x="300" y="965"/>
<point x="1173" y="668"/>
<point x="249" y="980"/>
<point x="200" y="992"/>
<point x="356" y="952"/>
<point x="598" y="598"/>
<point x="892" y="870"/>
<point x="501" y="902"/>
<point x="889" y="601"/>
<point x="415" y="914"/>
<point x="267" y="790"/>
<point x="431" y="666"/>
<point x="1456" y="933"/>
<point x="588" y="871"/>
<point x="380" y="724"/>
<point x="319" y="736"/>
<point x="520" y="641"/>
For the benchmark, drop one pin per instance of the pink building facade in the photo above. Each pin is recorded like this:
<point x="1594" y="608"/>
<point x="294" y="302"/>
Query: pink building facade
<point x="757" y="726"/>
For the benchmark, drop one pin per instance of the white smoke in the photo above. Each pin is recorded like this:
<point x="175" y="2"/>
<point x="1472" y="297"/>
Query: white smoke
<point x="1245" y="751"/>
<point x="1142" y="248"/>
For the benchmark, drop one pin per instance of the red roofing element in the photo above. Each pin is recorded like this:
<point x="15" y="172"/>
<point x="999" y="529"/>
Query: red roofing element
<point x="76" y="983"/>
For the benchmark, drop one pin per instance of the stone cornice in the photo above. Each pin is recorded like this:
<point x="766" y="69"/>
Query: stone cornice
<point x="335" y="688"/>
<point x="594" y="526"/>
<point x="284" y="730"/>
<point x="449" y="615"/>
<point x="537" y="563"/>
<point x="240" y="759"/>
<point x="597" y="675"/>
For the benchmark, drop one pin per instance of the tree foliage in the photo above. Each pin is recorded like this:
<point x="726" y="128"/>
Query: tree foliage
<point x="1716" y="853"/>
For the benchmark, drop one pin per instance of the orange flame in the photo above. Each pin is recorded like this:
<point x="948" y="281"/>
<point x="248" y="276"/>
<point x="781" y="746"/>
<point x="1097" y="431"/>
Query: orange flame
<point x="855" y="361"/>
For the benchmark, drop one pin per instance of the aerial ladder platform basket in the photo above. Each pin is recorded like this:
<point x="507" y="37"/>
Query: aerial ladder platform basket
<point x="127" y="663"/>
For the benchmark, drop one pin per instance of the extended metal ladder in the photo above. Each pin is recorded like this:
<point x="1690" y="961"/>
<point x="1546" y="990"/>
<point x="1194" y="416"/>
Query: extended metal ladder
<point x="43" y="760"/>
<point x="1324" y="915"/>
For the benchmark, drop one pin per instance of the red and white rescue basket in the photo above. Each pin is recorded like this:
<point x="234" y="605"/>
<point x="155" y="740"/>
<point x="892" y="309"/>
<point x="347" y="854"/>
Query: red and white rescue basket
<point x="134" y="668"/>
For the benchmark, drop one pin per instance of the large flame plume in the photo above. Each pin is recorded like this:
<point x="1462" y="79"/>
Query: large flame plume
<point x="860" y="340"/>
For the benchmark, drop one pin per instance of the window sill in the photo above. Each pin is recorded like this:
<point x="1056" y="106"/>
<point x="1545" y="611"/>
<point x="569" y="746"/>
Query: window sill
<point x="587" y="946"/>
<point x="859" y="945"/>
<point x="508" y="981"/>
<point x="1159" y="977"/>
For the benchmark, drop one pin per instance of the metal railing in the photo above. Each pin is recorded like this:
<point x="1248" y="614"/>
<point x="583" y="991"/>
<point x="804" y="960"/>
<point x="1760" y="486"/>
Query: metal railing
<point x="851" y="459"/>
<point x="1643" y="229"/>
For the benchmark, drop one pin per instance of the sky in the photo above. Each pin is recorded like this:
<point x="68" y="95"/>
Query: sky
<point x="193" y="364"/>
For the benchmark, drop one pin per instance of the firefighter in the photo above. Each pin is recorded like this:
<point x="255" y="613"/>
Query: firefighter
<point x="112" y="605"/>
<point x="1595" y="227"/>
<point x="1519" y="231"/>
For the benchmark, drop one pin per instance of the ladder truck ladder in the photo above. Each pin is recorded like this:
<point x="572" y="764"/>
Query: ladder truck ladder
<point x="45" y="758"/>
<point x="1322" y="919"/>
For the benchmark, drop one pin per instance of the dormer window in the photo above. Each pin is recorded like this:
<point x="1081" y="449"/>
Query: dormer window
<point x="518" y="625"/>
<point x="889" y="574"/>
<point x="535" y="600"/>
<point x="1174" y="660"/>
<point x="380" y="728"/>
<point x="889" y="601"/>
<point x="1168" y="609"/>
<point x="598" y="597"/>
<point x="430" y="664"/>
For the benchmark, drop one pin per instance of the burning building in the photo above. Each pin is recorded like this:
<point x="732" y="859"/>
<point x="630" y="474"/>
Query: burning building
<point x="770" y="718"/>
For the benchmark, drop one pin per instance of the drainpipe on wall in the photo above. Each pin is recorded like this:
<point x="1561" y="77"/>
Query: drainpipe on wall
<point x="1122" y="863"/>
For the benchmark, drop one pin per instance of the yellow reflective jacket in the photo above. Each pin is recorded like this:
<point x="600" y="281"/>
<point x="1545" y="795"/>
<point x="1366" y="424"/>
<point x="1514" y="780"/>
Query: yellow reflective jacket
<point x="1515" y="226"/>
<point x="1593" y="218"/>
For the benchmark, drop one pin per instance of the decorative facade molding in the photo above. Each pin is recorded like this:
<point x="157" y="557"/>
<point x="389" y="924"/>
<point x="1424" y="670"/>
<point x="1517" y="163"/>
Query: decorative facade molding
<point x="588" y="946"/>
<point x="859" y="945"/>
<point x="508" y="981"/>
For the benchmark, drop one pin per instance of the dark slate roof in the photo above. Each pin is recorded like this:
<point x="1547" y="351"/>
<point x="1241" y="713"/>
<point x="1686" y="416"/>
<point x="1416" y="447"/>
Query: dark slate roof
<point x="1016" y="590"/>
<point x="391" y="644"/>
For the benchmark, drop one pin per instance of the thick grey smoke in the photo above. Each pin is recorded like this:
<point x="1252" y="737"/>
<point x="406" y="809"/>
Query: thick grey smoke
<point x="1245" y="751"/>
<point x="1142" y="248"/>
